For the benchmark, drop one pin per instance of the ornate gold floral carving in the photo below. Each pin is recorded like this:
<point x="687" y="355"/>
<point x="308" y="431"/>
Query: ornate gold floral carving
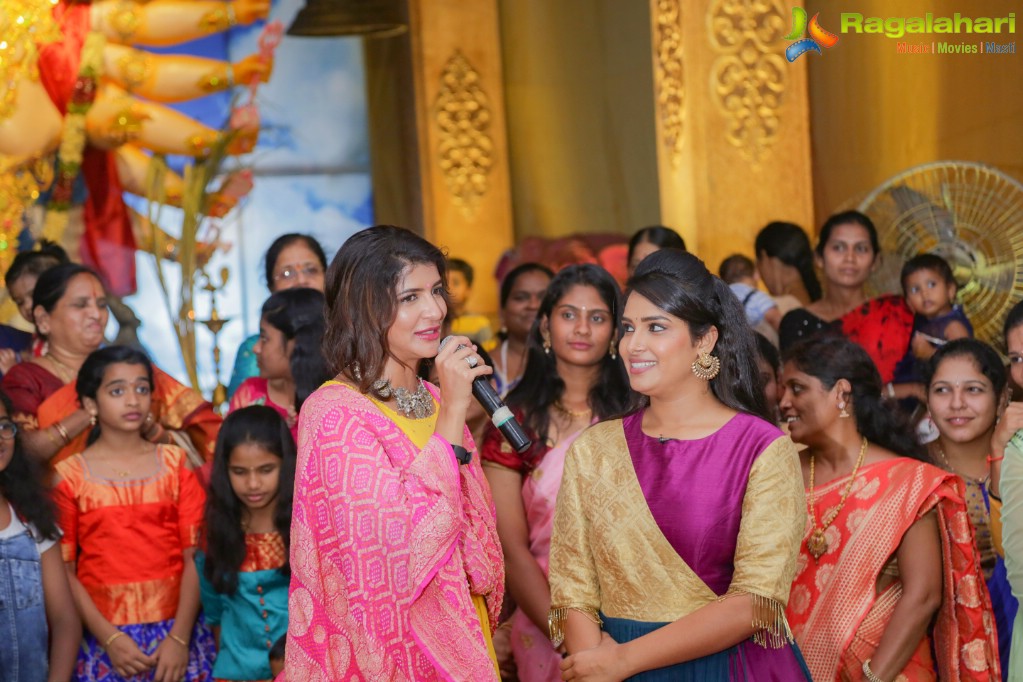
<point x="749" y="77"/>
<point x="463" y="116"/>
<point x="669" y="77"/>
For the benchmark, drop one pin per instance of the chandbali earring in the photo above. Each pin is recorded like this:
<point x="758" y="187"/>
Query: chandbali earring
<point x="546" y="344"/>
<point x="842" y="412"/>
<point x="706" y="366"/>
<point x="612" y="351"/>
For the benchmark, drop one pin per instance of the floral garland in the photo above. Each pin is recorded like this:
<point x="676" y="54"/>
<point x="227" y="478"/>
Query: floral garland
<point x="73" y="137"/>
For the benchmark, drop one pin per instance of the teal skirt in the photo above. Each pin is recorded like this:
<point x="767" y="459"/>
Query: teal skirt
<point x="745" y="662"/>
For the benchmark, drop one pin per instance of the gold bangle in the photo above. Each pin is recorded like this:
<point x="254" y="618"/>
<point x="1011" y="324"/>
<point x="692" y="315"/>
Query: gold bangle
<point x="63" y="432"/>
<point x="111" y="638"/>
<point x="178" y="639"/>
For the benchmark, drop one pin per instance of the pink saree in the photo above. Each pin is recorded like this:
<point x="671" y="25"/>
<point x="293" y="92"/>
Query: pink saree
<point x="388" y="545"/>
<point x="535" y="657"/>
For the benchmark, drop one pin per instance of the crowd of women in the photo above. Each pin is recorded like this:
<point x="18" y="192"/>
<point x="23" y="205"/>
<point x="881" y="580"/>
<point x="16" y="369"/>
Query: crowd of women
<point x="694" y="505"/>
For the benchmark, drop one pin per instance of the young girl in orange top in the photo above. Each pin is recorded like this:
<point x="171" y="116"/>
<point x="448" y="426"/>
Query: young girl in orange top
<point x="131" y="512"/>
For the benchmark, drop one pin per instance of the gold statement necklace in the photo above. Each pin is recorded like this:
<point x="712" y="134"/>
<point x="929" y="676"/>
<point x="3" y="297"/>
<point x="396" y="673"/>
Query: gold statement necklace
<point x="817" y="544"/>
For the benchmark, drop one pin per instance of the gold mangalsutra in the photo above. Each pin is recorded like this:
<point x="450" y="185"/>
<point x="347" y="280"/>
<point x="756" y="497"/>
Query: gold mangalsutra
<point x="66" y="372"/>
<point x="817" y="543"/>
<point x="951" y="469"/>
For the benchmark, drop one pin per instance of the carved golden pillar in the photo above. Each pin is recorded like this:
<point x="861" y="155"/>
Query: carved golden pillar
<point x="460" y="124"/>
<point x="733" y="147"/>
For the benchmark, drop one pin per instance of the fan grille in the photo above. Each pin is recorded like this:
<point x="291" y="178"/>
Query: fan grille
<point x="968" y="213"/>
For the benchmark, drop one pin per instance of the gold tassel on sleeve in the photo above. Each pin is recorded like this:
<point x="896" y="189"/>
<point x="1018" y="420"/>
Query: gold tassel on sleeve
<point x="558" y="615"/>
<point x="771" y="629"/>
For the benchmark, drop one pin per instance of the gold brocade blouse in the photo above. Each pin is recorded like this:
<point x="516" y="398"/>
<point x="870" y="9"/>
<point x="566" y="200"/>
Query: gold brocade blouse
<point x="609" y="555"/>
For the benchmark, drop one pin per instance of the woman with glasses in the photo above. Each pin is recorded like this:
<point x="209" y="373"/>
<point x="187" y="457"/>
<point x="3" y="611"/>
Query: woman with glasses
<point x="293" y="260"/>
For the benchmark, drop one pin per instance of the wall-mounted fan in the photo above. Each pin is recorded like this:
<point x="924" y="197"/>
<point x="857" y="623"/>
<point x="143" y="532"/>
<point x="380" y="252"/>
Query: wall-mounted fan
<point x="968" y="213"/>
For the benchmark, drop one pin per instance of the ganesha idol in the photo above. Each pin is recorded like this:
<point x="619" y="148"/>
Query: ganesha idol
<point x="82" y="107"/>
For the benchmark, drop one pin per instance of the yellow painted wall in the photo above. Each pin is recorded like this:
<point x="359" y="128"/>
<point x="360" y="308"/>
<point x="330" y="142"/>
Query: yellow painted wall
<point x="875" y="112"/>
<point x="578" y="86"/>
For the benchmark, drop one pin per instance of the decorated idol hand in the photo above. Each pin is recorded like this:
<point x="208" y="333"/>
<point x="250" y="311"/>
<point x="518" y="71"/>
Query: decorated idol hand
<point x="253" y="67"/>
<point x="602" y="663"/>
<point x="119" y="127"/>
<point x="248" y="11"/>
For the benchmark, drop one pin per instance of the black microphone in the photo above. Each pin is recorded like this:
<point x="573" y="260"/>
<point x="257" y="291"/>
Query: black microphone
<point x="500" y="414"/>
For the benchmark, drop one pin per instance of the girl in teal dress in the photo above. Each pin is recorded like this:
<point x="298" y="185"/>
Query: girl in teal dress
<point x="244" y="570"/>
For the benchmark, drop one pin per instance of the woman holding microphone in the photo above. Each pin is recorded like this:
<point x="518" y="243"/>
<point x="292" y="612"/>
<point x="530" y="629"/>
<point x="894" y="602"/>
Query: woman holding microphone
<point x="397" y="571"/>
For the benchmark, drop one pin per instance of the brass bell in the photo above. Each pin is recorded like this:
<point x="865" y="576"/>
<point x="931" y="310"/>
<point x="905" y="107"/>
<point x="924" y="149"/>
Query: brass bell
<point x="367" y="18"/>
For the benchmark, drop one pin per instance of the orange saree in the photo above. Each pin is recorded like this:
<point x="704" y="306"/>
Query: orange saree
<point x="835" y="611"/>
<point x="178" y="408"/>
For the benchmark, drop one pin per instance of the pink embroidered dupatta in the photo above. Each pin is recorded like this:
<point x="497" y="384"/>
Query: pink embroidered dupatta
<point x="535" y="657"/>
<point x="388" y="544"/>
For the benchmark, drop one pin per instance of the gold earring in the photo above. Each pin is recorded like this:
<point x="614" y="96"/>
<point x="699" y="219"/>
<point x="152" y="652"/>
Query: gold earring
<point x="842" y="411"/>
<point x="612" y="351"/>
<point x="706" y="366"/>
<point x="546" y="344"/>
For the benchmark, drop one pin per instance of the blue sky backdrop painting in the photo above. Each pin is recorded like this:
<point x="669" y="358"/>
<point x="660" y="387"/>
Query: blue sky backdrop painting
<point x="312" y="175"/>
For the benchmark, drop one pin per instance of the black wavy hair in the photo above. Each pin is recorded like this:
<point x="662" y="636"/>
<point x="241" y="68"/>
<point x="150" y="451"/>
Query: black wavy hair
<point x="21" y="483"/>
<point x="283" y="242"/>
<point x="788" y="243"/>
<point x="830" y="358"/>
<point x="767" y="351"/>
<point x="927" y="261"/>
<point x="362" y="302"/>
<point x="848" y="218"/>
<point x="1013" y="319"/>
<point x="52" y="284"/>
<point x="679" y="283"/>
<point x="661" y="236"/>
<point x="90" y="376"/>
<point x="298" y="314"/>
<point x="508" y="284"/>
<point x="48" y="255"/>
<point x="541" y="386"/>
<point x="225" y="540"/>
<point x="984" y="357"/>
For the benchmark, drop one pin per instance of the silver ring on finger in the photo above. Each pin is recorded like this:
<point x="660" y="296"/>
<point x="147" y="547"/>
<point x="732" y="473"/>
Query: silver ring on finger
<point x="472" y="360"/>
